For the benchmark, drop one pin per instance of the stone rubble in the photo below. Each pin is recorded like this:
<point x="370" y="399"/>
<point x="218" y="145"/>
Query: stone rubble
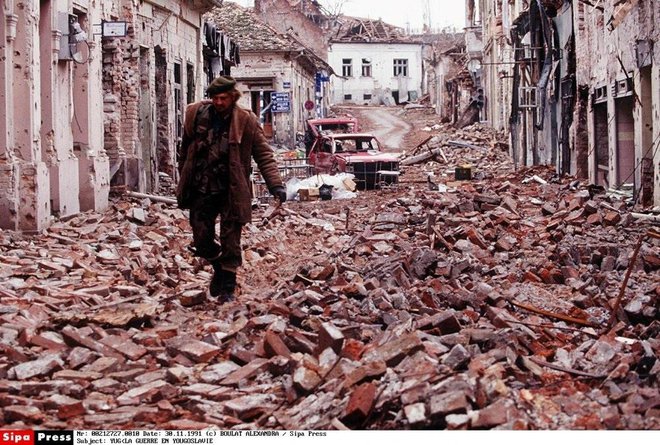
<point x="440" y="304"/>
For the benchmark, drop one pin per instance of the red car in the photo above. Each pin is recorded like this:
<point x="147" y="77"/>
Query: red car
<point x="316" y="128"/>
<point x="356" y="153"/>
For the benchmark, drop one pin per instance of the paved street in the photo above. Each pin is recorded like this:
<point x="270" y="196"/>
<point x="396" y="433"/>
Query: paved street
<point x="384" y="123"/>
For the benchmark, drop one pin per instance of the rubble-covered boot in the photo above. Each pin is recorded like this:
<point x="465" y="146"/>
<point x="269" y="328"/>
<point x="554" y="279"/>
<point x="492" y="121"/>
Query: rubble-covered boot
<point x="228" y="286"/>
<point x="222" y="284"/>
<point x="215" y="287"/>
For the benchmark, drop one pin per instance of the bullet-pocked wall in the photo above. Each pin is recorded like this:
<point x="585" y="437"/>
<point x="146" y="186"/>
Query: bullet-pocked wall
<point x="80" y="107"/>
<point x="617" y="55"/>
<point x="149" y="77"/>
<point x="52" y="161"/>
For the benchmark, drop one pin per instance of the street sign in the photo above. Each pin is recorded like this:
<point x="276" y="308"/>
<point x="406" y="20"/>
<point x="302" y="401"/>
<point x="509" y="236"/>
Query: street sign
<point x="110" y="29"/>
<point x="309" y="105"/>
<point x="281" y="103"/>
<point x="286" y="85"/>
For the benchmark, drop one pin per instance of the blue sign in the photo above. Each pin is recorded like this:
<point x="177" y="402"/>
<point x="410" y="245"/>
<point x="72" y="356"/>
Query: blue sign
<point x="286" y="85"/>
<point x="281" y="103"/>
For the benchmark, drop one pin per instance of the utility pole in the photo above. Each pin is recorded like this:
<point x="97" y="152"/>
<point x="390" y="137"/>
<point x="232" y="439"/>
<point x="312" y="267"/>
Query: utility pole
<point x="427" y="15"/>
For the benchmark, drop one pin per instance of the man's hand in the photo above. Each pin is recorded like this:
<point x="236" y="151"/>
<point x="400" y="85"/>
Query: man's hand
<point x="279" y="192"/>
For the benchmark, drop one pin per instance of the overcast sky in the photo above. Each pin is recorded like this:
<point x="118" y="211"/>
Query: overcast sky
<point x="404" y="13"/>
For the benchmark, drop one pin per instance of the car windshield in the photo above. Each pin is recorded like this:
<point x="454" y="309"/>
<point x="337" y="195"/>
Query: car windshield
<point x="356" y="144"/>
<point x="336" y="127"/>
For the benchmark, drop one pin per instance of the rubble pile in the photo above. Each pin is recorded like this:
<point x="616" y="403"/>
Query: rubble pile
<point x="426" y="122"/>
<point x="486" y="305"/>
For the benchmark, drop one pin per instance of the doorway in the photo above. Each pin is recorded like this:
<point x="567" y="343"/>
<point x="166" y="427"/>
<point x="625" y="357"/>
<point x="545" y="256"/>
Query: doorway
<point x="601" y="146"/>
<point x="647" y="167"/>
<point x="625" y="141"/>
<point x="260" y="102"/>
<point x="146" y="129"/>
<point x="162" y="113"/>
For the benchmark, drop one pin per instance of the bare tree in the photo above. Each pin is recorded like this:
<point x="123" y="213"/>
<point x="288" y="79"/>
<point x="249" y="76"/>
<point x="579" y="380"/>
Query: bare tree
<point x="333" y="8"/>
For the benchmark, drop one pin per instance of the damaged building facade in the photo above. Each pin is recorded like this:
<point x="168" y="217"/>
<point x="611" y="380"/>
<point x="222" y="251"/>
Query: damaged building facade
<point x="163" y="62"/>
<point x="52" y="160"/>
<point x="447" y="82"/>
<point x="489" y="49"/>
<point x="306" y="20"/>
<point x="618" y="94"/>
<point x="376" y="63"/>
<point x="93" y="96"/>
<point x="582" y="86"/>
<point x="283" y="81"/>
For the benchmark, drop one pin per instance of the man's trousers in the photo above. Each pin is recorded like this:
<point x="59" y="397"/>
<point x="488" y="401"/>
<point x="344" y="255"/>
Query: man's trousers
<point x="204" y="212"/>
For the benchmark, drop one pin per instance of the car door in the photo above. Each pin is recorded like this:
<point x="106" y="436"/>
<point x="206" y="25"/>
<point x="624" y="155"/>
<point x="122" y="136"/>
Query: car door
<point x="322" y="157"/>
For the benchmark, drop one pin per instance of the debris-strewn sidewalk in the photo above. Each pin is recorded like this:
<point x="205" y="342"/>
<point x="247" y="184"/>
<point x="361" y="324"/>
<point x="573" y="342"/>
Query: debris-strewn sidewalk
<point x="441" y="303"/>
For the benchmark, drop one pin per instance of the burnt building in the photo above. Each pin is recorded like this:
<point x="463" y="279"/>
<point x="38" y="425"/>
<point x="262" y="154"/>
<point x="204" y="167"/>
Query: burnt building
<point x="576" y="84"/>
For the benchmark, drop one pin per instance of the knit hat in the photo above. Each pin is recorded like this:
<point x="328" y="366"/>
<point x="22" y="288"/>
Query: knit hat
<point x="221" y="84"/>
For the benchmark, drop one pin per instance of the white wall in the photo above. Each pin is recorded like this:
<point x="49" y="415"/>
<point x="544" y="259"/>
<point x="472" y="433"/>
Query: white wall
<point x="382" y="56"/>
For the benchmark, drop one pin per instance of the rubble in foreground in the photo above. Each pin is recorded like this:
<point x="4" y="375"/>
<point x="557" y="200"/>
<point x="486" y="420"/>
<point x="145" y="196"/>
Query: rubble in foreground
<point x="439" y="304"/>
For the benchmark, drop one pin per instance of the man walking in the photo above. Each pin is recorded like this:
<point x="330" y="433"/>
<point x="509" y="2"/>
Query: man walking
<point x="220" y="138"/>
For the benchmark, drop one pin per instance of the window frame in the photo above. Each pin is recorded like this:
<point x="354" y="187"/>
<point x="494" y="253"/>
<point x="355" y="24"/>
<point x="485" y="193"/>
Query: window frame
<point x="400" y="67"/>
<point x="347" y="67"/>
<point x="367" y="64"/>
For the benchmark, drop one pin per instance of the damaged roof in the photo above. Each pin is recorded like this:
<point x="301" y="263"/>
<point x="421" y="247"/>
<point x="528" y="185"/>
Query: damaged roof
<point x="442" y="40"/>
<point x="243" y="26"/>
<point x="361" y="30"/>
<point x="307" y="7"/>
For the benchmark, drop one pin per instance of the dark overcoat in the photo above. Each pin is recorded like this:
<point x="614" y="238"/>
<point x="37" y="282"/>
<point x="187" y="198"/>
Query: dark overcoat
<point x="246" y="141"/>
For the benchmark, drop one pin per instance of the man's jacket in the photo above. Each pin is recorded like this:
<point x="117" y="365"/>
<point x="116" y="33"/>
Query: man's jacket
<point x="246" y="141"/>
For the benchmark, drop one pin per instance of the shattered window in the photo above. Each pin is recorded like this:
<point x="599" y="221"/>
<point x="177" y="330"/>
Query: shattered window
<point x="367" y="144"/>
<point x="366" y="67"/>
<point x="347" y="67"/>
<point x="401" y="67"/>
<point x="345" y="145"/>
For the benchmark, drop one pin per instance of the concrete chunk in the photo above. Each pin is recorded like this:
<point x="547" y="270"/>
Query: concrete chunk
<point x="330" y="337"/>
<point x="37" y="368"/>
<point x="198" y="351"/>
<point x="448" y="403"/>
<point x="394" y="351"/>
<point x="415" y="413"/>
<point x="360" y="403"/>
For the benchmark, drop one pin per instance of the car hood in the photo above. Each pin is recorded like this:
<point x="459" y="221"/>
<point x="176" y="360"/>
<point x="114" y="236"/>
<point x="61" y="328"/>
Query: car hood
<point x="369" y="156"/>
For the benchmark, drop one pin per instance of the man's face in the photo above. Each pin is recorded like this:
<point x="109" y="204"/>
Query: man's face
<point x="222" y="102"/>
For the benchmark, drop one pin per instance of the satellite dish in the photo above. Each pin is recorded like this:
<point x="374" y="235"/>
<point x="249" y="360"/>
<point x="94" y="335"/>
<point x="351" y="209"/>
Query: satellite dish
<point x="79" y="51"/>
